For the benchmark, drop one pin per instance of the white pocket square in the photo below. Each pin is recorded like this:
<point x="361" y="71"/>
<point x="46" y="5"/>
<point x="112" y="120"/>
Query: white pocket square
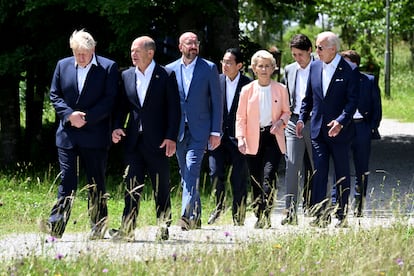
<point x="339" y="80"/>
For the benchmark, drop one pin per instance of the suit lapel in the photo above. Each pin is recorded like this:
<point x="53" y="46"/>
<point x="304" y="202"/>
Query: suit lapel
<point x="338" y="74"/>
<point x="131" y="89"/>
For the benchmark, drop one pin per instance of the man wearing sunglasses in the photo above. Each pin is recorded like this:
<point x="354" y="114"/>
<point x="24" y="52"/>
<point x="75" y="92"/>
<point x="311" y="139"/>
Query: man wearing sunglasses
<point x="331" y="97"/>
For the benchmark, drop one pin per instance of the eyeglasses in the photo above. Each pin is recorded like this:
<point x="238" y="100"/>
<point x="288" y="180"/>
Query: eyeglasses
<point x="321" y="48"/>
<point x="192" y="43"/>
<point x="226" y="62"/>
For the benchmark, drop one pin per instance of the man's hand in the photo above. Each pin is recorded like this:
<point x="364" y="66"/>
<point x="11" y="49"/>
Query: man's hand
<point x="213" y="142"/>
<point x="170" y="147"/>
<point x="117" y="135"/>
<point x="299" y="128"/>
<point x="77" y="119"/>
<point x="335" y="128"/>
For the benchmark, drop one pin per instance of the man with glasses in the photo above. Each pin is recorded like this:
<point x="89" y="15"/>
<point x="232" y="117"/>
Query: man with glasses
<point x="227" y="156"/>
<point x="331" y="97"/>
<point x="201" y="119"/>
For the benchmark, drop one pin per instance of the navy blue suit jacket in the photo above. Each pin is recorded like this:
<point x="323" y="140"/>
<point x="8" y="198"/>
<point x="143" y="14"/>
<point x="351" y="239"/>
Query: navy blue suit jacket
<point x="229" y="118"/>
<point x="160" y="113"/>
<point x="203" y="105"/>
<point x="96" y="100"/>
<point x="369" y="103"/>
<point x="339" y="103"/>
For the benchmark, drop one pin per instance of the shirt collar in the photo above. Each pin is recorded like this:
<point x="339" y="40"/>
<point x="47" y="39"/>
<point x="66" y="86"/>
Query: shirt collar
<point x="334" y="63"/>
<point x="147" y="71"/>
<point x="191" y="65"/>
<point x="236" y="79"/>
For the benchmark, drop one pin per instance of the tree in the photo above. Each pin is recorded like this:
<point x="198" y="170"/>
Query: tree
<point x="43" y="29"/>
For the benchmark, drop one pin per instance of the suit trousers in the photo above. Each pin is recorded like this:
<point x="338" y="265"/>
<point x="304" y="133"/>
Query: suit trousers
<point x="190" y="153"/>
<point x="94" y="162"/>
<point x="263" y="168"/>
<point x="324" y="147"/>
<point x="224" y="158"/>
<point x="361" y="150"/>
<point x="299" y="165"/>
<point x="141" y="161"/>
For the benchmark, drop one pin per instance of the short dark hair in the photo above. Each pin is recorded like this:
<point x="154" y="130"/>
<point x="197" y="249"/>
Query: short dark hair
<point x="236" y="53"/>
<point x="352" y="55"/>
<point x="301" y="42"/>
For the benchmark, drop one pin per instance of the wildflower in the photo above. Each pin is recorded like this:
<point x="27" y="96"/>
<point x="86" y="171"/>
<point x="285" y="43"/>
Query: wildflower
<point x="283" y="269"/>
<point x="277" y="246"/>
<point x="174" y="256"/>
<point x="51" y="239"/>
<point x="399" y="262"/>
<point x="226" y="234"/>
<point x="59" y="256"/>
<point x="105" y="270"/>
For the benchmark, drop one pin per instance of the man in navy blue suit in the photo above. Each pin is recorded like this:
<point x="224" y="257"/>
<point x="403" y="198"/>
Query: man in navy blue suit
<point x="367" y="119"/>
<point x="227" y="155"/>
<point x="82" y="92"/>
<point x="201" y="119"/>
<point x="149" y="95"/>
<point x="331" y="97"/>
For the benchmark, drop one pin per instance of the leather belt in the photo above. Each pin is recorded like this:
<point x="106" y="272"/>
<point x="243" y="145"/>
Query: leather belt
<point x="266" y="128"/>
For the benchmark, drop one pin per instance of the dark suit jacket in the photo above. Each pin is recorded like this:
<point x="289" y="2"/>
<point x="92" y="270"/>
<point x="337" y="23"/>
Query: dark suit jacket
<point x="96" y="100"/>
<point x="203" y="106"/>
<point x="229" y="118"/>
<point x="369" y="103"/>
<point x="339" y="103"/>
<point x="160" y="113"/>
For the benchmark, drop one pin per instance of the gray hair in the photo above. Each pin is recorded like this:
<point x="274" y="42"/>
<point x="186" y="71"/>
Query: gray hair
<point x="82" y="40"/>
<point x="331" y="38"/>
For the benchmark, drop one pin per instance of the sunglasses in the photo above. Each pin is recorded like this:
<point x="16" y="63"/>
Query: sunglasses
<point x="321" y="48"/>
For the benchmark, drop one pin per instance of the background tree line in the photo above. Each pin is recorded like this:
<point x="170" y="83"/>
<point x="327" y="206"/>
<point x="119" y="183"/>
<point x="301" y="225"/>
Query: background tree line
<point x="35" y="34"/>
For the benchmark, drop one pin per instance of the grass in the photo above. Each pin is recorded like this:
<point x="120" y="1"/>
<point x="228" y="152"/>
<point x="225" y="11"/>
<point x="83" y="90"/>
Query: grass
<point x="378" y="251"/>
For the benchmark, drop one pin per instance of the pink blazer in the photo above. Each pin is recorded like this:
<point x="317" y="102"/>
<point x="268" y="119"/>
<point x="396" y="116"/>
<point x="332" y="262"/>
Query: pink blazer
<point x="248" y="115"/>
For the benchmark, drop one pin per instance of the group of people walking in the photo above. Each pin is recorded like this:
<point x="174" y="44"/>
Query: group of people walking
<point x="324" y="108"/>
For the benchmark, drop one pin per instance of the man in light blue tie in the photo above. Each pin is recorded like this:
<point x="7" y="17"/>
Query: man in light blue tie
<point x="201" y="119"/>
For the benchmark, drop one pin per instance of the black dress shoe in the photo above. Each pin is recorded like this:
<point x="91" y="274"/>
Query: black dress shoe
<point x="120" y="235"/>
<point x="342" y="223"/>
<point x="214" y="216"/>
<point x="290" y="220"/>
<point x="46" y="227"/>
<point x="184" y="223"/>
<point x="162" y="234"/>
<point x="321" y="221"/>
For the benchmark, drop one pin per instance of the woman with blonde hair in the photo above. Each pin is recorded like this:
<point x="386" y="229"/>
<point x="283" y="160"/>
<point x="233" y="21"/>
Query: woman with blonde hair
<point x="262" y="115"/>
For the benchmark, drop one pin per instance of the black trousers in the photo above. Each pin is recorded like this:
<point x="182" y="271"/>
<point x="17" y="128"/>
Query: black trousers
<point x="94" y="162"/>
<point x="227" y="156"/>
<point x="140" y="162"/>
<point x="263" y="168"/>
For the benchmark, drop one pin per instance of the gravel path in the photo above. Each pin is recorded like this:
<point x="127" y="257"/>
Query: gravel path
<point x="391" y="188"/>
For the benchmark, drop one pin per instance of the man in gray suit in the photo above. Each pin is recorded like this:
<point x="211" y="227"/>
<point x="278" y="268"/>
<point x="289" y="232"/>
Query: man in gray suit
<point x="201" y="119"/>
<point x="298" y="150"/>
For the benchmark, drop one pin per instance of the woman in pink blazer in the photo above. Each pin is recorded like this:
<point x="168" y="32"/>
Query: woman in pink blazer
<point x="262" y="115"/>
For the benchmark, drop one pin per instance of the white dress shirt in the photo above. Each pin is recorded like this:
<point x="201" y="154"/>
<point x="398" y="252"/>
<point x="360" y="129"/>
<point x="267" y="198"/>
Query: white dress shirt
<point x="327" y="72"/>
<point x="143" y="80"/>
<point x="265" y="102"/>
<point x="301" y="83"/>
<point x="231" y="86"/>
<point x="82" y="72"/>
